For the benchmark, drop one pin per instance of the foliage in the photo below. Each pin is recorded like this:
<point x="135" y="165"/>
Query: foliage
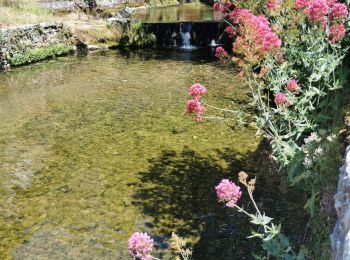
<point x="273" y="241"/>
<point x="162" y="2"/>
<point x="138" y="36"/>
<point x="291" y="54"/>
<point x="33" y="55"/>
<point x="178" y="245"/>
<point x="291" y="46"/>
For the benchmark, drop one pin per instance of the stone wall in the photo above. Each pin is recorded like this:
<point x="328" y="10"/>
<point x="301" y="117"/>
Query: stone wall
<point x="23" y="39"/>
<point x="341" y="233"/>
<point x="72" y="5"/>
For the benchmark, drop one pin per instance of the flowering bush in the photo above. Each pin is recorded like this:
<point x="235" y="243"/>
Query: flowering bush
<point x="290" y="53"/>
<point x="300" y="76"/>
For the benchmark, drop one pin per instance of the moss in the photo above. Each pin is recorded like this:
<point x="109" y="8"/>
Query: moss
<point x="39" y="54"/>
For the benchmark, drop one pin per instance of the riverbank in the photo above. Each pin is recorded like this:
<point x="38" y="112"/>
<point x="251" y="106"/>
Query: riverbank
<point x="32" y="31"/>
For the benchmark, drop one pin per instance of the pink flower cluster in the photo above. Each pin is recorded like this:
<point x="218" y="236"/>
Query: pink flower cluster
<point x="336" y="33"/>
<point x="280" y="98"/>
<point x="220" y="6"/>
<point x="292" y="85"/>
<point x="197" y="90"/>
<point x="140" y="246"/>
<point x="326" y="11"/>
<point x="255" y="36"/>
<point x="231" y="32"/>
<point x="299" y="4"/>
<point x="317" y="11"/>
<point x="228" y="192"/>
<point x="194" y="105"/>
<point x="273" y="5"/>
<point x="221" y="53"/>
<point x="338" y="12"/>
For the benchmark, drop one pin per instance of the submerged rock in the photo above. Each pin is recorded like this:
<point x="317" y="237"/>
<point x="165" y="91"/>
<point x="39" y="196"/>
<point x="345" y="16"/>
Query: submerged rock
<point x="341" y="233"/>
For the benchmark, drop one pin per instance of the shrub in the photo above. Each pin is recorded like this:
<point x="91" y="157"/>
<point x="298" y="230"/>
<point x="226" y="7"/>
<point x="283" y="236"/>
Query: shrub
<point x="138" y="36"/>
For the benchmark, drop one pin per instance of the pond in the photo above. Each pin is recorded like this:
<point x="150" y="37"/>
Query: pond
<point x="95" y="147"/>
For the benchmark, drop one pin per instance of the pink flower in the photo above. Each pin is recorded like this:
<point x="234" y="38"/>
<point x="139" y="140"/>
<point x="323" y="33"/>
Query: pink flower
<point x="197" y="90"/>
<point x="192" y="105"/>
<point x="273" y="5"/>
<point x="280" y="98"/>
<point x="228" y="192"/>
<point x="292" y="85"/>
<point x="217" y="6"/>
<point x="336" y="33"/>
<point x="140" y="246"/>
<point x="255" y="36"/>
<point x="271" y="40"/>
<point x="338" y="12"/>
<point x="299" y="4"/>
<point x="317" y="11"/>
<point x="195" y="106"/>
<point x="199" y="113"/>
<point x="221" y="53"/>
<point x="230" y="31"/>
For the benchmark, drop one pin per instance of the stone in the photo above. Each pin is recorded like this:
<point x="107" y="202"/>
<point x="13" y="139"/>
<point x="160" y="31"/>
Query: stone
<point x="340" y="237"/>
<point x="19" y="39"/>
<point x="118" y="20"/>
<point x="91" y="47"/>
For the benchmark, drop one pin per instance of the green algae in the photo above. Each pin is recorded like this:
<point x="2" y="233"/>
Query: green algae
<point x="33" y="55"/>
<point x="94" y="148"/>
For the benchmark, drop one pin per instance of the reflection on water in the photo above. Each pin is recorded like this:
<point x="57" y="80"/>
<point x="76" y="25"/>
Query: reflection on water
<point x="194" y="12"/>
<point x="94" y="148"/>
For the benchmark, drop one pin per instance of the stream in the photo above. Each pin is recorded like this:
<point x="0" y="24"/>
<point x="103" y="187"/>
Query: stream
<point x="94" y="147"/>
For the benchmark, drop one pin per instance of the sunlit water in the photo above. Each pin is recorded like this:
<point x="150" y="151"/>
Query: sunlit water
<point x="94" y="148"/>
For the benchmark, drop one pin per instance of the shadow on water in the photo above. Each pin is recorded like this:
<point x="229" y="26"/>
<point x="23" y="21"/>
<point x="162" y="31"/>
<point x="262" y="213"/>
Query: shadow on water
<point x="200" y="55"/>
<point x="178" y="192"/>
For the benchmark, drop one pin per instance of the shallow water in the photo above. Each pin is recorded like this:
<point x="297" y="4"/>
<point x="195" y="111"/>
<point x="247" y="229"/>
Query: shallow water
<point x="96" y="147"/>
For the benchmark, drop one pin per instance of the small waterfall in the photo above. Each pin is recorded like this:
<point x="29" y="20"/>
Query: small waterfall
<point x="185" y="31"/>
<point x="213" y="43"/>
<point x="186" y="39"/>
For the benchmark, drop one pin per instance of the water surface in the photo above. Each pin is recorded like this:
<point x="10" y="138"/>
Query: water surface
<point x="94" y="148"/>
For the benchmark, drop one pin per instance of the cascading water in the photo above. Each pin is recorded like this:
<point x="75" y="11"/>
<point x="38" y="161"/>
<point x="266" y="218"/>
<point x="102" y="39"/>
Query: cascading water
<point x="213" y="43"/>
<point x="186" y="39"/>
<point x="185" y="31"/>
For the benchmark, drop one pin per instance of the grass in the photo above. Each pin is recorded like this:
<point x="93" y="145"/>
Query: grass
<point x="16" y="12"/>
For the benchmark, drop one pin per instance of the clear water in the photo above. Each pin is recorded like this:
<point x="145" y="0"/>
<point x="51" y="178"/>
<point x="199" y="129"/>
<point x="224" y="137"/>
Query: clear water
<point x="94" y="148"/>
<point x="193" y="12"/>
